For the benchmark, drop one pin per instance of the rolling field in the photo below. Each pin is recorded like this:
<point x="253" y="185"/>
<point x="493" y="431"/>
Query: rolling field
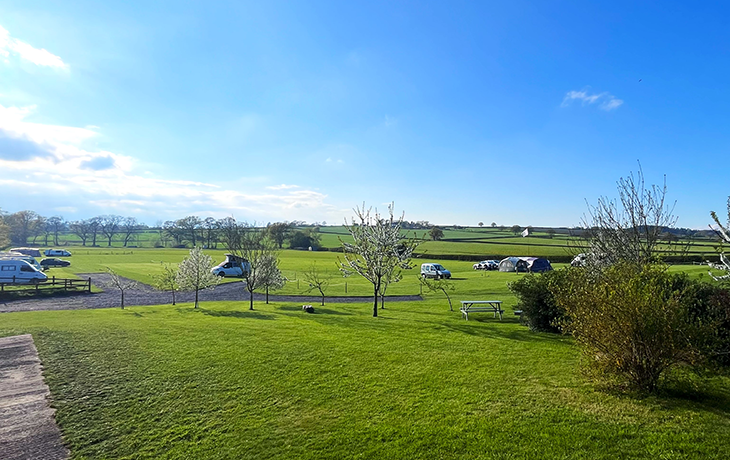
<point x="418" y="382"/>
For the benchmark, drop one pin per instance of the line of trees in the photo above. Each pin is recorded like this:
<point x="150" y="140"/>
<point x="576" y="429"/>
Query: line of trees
<point x="28" y="227"/>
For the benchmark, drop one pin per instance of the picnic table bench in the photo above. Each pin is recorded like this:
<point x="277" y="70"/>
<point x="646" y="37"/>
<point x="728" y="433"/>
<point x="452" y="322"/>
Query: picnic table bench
<point x="470" y="306"/>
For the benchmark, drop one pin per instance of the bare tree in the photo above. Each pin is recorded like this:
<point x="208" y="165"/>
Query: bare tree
<point x="94" y="228"/>
<point x="316" y="280"/>
<point x="439" y="285"/>
<point x="56" y="225"/>
<point x="190" y="227"/>
<point x="81" y="228"/>
<point x="378" y="247"/>
<point x="167" y="280"/>
<point x="110" y="226"/>
<point x="119" y="283"/>
<point x="630" y="229"/>
<point x="193" y="272"/>
<point x="129" y="227"/>
<point x="723" y="232"/>
<point x="250" y="244"/>
<point x="210" y="225"/>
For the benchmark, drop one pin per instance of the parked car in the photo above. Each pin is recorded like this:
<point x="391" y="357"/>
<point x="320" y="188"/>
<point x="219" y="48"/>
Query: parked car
<point x="56" y="253"/>
<point x="232" y="266"/>
<point x="486" y="265"/>
<point x="52" y="262"/>
<point x="434" y="271"/>
<point x="15" y="271"/>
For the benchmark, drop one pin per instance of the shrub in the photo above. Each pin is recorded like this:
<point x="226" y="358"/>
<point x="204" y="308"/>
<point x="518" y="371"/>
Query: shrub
<point x="630" y="322"/>
<point x="536" y="300"/>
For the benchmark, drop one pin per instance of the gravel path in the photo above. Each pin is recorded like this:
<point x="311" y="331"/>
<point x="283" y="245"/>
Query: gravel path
<point x="28" y="429"/>
<point x="144" y="294"/>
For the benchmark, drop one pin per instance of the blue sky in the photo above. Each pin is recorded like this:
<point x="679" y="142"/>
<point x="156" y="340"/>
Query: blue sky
<point x="460" y="112"/>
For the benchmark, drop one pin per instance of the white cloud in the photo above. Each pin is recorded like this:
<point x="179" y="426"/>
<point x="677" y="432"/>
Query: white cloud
<point x="61" y="169"/>
<point x="13" y="46"/>
<point x="607" y="101"/>
<point x="282" y="187"/>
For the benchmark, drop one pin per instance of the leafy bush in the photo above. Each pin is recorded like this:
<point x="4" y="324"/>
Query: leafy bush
<point x="631" y="322"/>
<point x="536" y="300"/>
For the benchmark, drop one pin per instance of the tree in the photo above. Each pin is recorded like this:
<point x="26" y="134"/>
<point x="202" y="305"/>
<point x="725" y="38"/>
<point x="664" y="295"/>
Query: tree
<point x="439" y="285"/>
<point x="167" y="280"/>
<point x="481" y="224"/>
<point x="723" y="232"/>
<point x="193" y="273"/>
<point x="270" y="277"/>
<point x="56" y="225"/>
<point x="210" y="225"/>
<point x="378" y="246"/>
<point x="82" y="229"/>
<point x="550" y="232"/>
<point x="4" y="231"/>
<point x="317" y="280"/>
<point x="189" y="226"/>
<point x="493" y="224"/>
<point x="129" y="226"/>
<point x="630" y="229"/>
<point x="435" y="233"/>
<point x="23" y="224"/>
<point x="119" y="283"/>
<point x="110" y="226"/>
<point x="516" y="229"/>
<point x="249" y="243"/>
<point x="94" y="228"/>
<point x="278" y="232"/>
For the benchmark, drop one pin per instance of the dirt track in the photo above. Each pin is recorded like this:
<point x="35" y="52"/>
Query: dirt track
<point x="27" y="427"/>
<point x="144" y="294"/>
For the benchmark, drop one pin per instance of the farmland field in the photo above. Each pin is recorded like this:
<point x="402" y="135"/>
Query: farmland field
<point x="416" y="382"/>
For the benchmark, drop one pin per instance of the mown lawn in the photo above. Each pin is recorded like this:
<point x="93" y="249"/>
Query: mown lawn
<point x="417" y="382"/>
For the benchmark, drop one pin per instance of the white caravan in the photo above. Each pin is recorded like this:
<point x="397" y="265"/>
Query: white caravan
<point x="14" y="271"/>
<point x="18" y="256"/>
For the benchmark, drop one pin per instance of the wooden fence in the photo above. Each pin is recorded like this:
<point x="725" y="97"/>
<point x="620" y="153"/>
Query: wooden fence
<point x="58" y="284"/>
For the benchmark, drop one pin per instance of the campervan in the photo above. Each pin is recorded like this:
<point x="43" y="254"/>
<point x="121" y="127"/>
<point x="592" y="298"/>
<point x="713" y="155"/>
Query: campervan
<point x="232" y="266"/>
<point x="12" y="255"/>
<point x="15" y="271"/>
<point x="434" y="271"/>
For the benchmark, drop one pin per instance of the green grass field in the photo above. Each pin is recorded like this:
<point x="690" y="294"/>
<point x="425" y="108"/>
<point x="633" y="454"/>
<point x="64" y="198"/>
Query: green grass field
<point x="418" y="382"/>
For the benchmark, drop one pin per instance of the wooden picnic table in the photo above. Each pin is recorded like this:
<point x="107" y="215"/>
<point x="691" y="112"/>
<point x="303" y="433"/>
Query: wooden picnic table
<point x="470" y="306"/>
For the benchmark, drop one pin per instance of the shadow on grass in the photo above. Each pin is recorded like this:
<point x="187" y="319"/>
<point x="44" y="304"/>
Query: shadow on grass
<point x="242" y="314"/>
<point x="317" y="310"/>
<point x="520" y="334"/>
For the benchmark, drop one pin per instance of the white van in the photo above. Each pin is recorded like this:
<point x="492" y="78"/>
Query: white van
<point x="232" y="266"/>
<point x="17" y="256"/>
<point x="434" y="271"/>
<point x="19" y="272"/>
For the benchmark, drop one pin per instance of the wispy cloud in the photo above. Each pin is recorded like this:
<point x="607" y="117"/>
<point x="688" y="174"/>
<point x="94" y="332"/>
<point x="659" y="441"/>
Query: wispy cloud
<point x="390" y="121"/>
<point x="38" y="56"/>
<point x="605" y="100"/>
<point x="282" y="187"/>
<point x="54" y="162"/>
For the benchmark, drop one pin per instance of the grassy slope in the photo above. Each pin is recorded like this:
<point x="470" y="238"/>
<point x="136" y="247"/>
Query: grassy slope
<point x="418" y="382"/>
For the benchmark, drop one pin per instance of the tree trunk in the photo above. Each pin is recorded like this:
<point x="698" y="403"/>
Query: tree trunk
<point x="250" y="297"/>
<point x="323" y="300"/>
<point x="122" y="300"/>
<point x="267" y="295"/>
<point x="196" y="298"/>
<point x="375" y="301"/>
<point x="173" y="297"/>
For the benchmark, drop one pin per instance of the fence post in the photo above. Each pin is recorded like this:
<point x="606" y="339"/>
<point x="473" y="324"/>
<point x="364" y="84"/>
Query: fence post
<point x="89" y="285"/>
<point x="53" y="280"/>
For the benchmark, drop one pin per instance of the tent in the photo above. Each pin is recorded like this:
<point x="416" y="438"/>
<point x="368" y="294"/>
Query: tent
<point x="537" y="264"/>
<point x="513" y="264"/>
